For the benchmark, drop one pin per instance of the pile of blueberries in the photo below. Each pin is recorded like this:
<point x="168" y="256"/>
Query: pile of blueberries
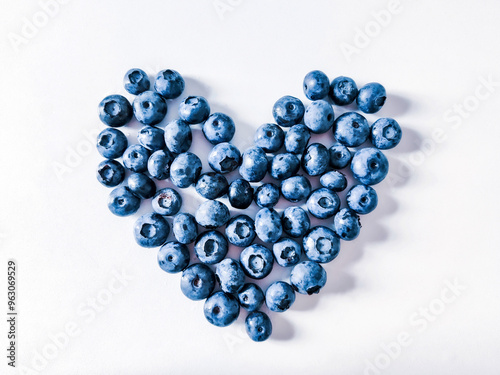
<point x="292" y="241"/>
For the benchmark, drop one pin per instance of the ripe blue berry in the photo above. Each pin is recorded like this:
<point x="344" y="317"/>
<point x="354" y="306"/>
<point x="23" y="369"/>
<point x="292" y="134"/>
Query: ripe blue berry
<point x="221" y="309"/>
<point x="159" y="164"/>
<point x="296" y="188"/>
<point x="152" y="138"/>
<point x="296" y="139"/>
<point x="185" y="170"/>
<point x="173" y="257"/>
<point x="287" y="252"/>
<point x="122" y="202"/>
<point x="351" y="129"/>
<point x="288" y="111"/>
<point x="141" y="185"/>
<point x="283" y="166"/>
<point x="218" y="128"/>
<point x="362" y="199"/>
<point x="115" y="110"/>
<point x="211" y="247"/>
<point x="224" y="158"/>
<point x="194" y="109"/>
<point x="323" y="203"/>
<point x="110" y="173"/>
<point x="308" y="277"/>
<point x="258" y="326"/>
<point x="385" y="133"/>
<point x="347" y="224"/>
<point x="111" y="143"/>
<point x="254" y="164"/>
<point x="240" y="231"/>
<point x="371" y="97"/>
<point x="178" y="136"/>
<point x="240" y="194"/>
<point x="197" y="281"/>
<point x="185" y="228"/>
<point x="151" y="230"/>
<point x="169" y="84"/>
<point x="269" y="137"/>
<point x="340" y="156"/>
<point x="136" y="81"/>
<point x="319" y="116"/>
<point x="334" y="180"/>
<point x="369" y="166"/>
<point x="321" y="244"/>
<point x="343" y="90"/>
<point x="268" y="225"/>
<point x="267" y="195"/>
<point x="230" y="275"/>
<point x="167" y="202"/>
<point x="212" y="214"/>
<point x="257" y="261"/>
<point x="316" y="159"/>
<point x="251" y="297"/>
<point x="212" y="185"/>
<point x="149" y="108"/>
<point x="279" y="296"/>
<point x="295" y="221"/>
<point x="316" y="85"/>
<point x="136" y="158"/>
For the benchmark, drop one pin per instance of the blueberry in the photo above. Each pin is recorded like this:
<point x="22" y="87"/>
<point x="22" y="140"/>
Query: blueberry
<point x="316" y="159"/>
<point x="343" y="90"/>
<point x="122" y="202"/>
<point x="269" y="137"/>
<point x="347" y="224"/>
<point x="221" y="309"/>
<point x="197" y="281"/>
<point x="351" y="129"/>
<point x="287" y="252"/>
<point x="362" y="199"/>
<point x="218" y="128"/>
<point x="321" y="244"/>
<point x="185" y="228"/>
<point x="185" y="170"/>
<point x="371" y="97"/>
<point x="111" y="143"/>
<point x="224" y="158"/>
<point x="319" y="116"/>
<point x="279" y="296"/>
<point x="288" y="111"/>
<point x="268" y="225"/>
<point x="115" y="110"/>
<point x="173" y="257"/>
<point x="251" y="297"/>
<point x="194" y="109"/>
<point x="323" y="203"/>
<point x="110" y="173"/>
<point x="136" y="158"/>
<point x="240" y="231"/>
<point x="167" y="202"/>
<point x="150" y="108"/>
<point x="169" y="84"/>
<point x="151" y="230"/>
<point x="212" y="185"/>
<point x="296" y="139"/>
<point x="385" y="133"/>
<point x="308" y="277"/>
<point x="254" y="164"/>
<point x="296" y="188"/>
<point x="152" y="138"/>
<point x="258" y="326"/>
<point x="340" y="156"/>
<point x="136" y="81"/>
<point x="369" y="166"/>
<point x="295" y="221"/>
<point x="212" y="214"/>
<point x="240" y="193"/>
<point x="178" y="136"/>
<point x="141" y="185"/>
<point x="159" y="164"/>
<point x="333" y="180"/>
<point x="267" y="195"/>
<point x="283" y="166"/>
<point x="257" y="261"/>
<point x="316" y="85"/>
<point x="211" y="247"/>
<point x="230" y="275"/>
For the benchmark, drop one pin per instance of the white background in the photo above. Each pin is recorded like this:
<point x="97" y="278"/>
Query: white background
<point x="436" y="224"/>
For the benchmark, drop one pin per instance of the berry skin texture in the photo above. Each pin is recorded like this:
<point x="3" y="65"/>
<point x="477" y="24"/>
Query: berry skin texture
<point x="111" y="143"/>
<point x="159" y="164"/>
<point x="296" y="188"/>
<point x="178" y="136"/>
<point x="283" y="166"/>
<point x="351" y="129"/>
<point x="254" y="164"/>
<point x="287" y="252"/>
<point x="323" y="203"/>
<point x="251" y="297"/>
<point x="269" y="137"/>
<point x="343" y="90"/>
<point x="333" y="180"/>
<point x="218" y="128"/>
<point x="149" y="108"/>
<point x="340" y="156"/>
<point x="211" y="247"/>
<point x="197" y="281"/>
<point x="152" y="138"/>
<point x="288" y="111"/>
<point x="258" y="326"/>
<point x="212" y="185"/>
<point x="169" y="84"/>
<point x="279" y="296"/>
<point x="347" y="224"/>
<point x="136" y="81"/>
<point x="141" y="185"/>
<point x="319" y="117"/>
<point x="316" y="85"/>
<point x="167" y="202"/>
<point x="136" y="158"/>
<point x="110" y="173"/>
<point x="308" y="277"/>
<point x="221" y="309"/>
<point x="151" y="230"/>
<point x="240" y="194"/>
<point x="369" y="166"/>
<point x="122" y="202"/>
<point x="230" y="275"/>
<point x="295" y="221"/>
<point x="194" y="109"/>
<point x="321" y="244"/>
<point x="267" y="195"/>
<point x="185" y="170"/>
<point x="185" y="228"/>
<point x="268" y="225"/>
<point x="257" y="261"/>
<point x="212" y="214"/>
<point x="224" y="158"/>
<point x="362" y="199"/>
<point x="173" y="257"/>
<point x="316" y="159"/>
<point x="371" y="97"/>
<point x="296" y="139"/>
<point x="240" y="231"/>
<point x="385" y="133"/>
<point x="115" y="111"/>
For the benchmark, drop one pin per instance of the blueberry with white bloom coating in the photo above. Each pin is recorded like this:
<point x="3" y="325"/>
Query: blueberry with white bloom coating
<point x="218" y="128"/>
<point x="316" y="159"/>
<point x="122" y="202"/>
<point x="197" y="281"/>
<point x="258" y="326"/>
<point x="287" y="252"/>
<point x="251" y="297"/>
<point x="173" y="257"/>
<point x="308" y="277"/>
<point x="319" y="116"/>
<point x="343" y="90"/>
<point x="296" y="188"/>
<point x="295" y="221"/>
<point x="369" y="166"/>
<point x="269" y="137"/>
<point x="268" y="225"/>
<point x="211" y="185"/>
<point x="167" y="202"/>
<point x="323" y="203"/>
<point x="185" y="228"/>
<point x="178" y="136"/>
<point x="212" y="214"/>
<point x="371" y="97"/>
<point x="151" y="230"/>
<point x="385" y="133"/>
<point x="185" y="170"/>
<point x="283" y="166"/>
<point x="347" y="224"/>
<point x="194" y="109"/>
<point x="321" y="244"/>
<point x="169" y="84"/>
<point x="136" y="81"/>
<point x="240" y="194"/>
<point x="110" y="173"/>
<point x="230" y="275"/>
<point x="149" y="108"/>
<point x="211" y="247"/>
<point x="316" y="85"/>
<point x="351" y="129"/>
<point x="288" y="111"/>
<point x="221" y="309"/>
<point x="267" y="195"/>
<point x="152" y="138"/>
<point x="135" y="158"/>
<point x="340" y="156"/>
<point x="240" y="231"/>
<point x="297" y="138"/>
<point x="254" y="164"/>
<point x="224" y="158"/>
<point x="115" y="110"/>
<point x="111" y="143"/>
<point x="333" y="180"/>
<point x="362" y="199"/>
<point x="159" y="164"/>
<point x="279" y="296"/>
<point x="141" y="185"/>
<point x="257" y="261"/>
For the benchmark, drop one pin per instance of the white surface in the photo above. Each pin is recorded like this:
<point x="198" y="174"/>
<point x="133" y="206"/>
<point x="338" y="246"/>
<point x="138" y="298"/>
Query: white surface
<point x="436" y="225"/>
